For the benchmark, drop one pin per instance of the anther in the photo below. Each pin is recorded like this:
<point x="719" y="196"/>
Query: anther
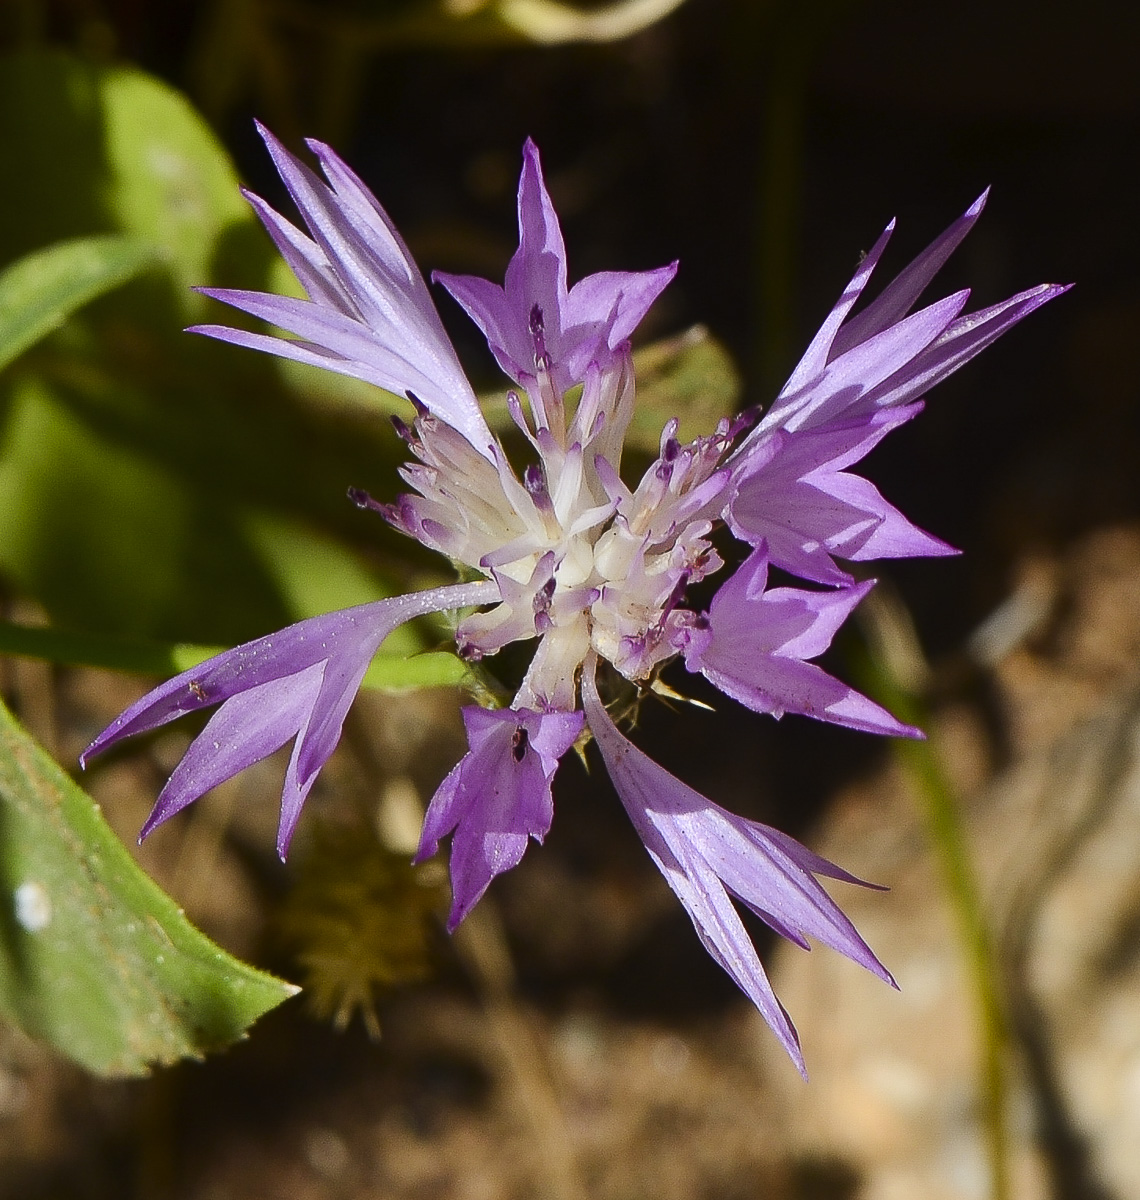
<point x="519" y="743"/>
<point x="402" y="428"/>
<point x="362" y="499"/>
<point x="544" y="596"/>
<point x="534" y="479"/>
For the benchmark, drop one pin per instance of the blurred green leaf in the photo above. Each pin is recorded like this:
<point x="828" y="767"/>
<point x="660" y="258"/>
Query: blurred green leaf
<point x="97" y="532"/>
<point x="40" y="291"/>
<point x="690" y="376"/>
<point x="94" y="957"/>
<point x="131" y="454"/>
<point x="50" y="125"/>
<point x="169" y="180"/>
<point x="315" y="574"/>
<point x="69" y="648"/>
<point x="436" y="668"/>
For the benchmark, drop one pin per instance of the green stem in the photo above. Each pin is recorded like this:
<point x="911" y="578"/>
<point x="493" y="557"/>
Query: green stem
<point x="100" y="650"/>
<point x="944" y="826"/>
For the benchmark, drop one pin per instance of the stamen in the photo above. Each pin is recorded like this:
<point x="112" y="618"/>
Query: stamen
<point x="362" y="499"/>
<point x="538" y="333"/>
<point x="515" y="408"/>
<point x="519" y="743"/>
<point x="403" y="429"/>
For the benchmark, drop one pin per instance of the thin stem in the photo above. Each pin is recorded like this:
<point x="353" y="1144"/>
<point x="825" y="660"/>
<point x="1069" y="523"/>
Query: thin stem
<point x="100" y="650"/>
<point x="891" y="645"/>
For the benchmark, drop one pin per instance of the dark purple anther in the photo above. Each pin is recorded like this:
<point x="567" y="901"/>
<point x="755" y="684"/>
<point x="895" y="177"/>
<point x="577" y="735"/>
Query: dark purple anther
<point x="545" y="595"/>
<point x="534" y="480"/>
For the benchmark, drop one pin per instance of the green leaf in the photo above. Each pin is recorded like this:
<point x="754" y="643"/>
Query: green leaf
<point x="94" y="957"/>
<point x="40" y="291"/>
<point x="437" y="668"/>
<point x="131" y="452"/>
<point x="170" y="182"/>
<point x="691" y="377"/>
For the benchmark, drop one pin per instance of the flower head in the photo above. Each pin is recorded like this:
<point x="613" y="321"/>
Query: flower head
<point x="594" y="571"/>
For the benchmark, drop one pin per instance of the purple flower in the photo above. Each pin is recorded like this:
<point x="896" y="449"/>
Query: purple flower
<point x="368" y="314"/>
<point x="594" y="571"/>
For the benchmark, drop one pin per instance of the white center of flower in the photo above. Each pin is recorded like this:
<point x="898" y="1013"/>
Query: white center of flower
<point x="582" y="561"/>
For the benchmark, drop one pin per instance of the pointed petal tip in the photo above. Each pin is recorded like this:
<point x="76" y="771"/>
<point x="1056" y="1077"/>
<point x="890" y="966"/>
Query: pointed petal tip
<point x="272" y="142"/>
<point x="149" y="825"/>
<point x="975" y="209"/>
<point x="455" y="917"/>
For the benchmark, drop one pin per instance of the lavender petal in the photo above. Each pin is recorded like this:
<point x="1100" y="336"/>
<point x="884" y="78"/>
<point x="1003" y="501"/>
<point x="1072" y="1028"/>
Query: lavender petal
<point x="708" y="855"/>
<point x="900" y="295"/>
<point x="348" y="633"/>
<point x="248" y="727"/>
<point x="758" y="641"/>
<point x="497" y="797"/>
